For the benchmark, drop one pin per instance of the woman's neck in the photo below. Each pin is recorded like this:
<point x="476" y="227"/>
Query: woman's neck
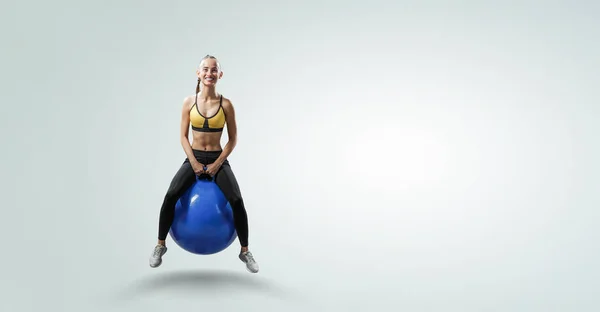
<point x="208" y="93"/>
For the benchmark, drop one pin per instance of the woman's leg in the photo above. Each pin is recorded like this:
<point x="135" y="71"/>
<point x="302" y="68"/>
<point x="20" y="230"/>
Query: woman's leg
<point x="183" y="179"/>
<point x="228" y="184"/>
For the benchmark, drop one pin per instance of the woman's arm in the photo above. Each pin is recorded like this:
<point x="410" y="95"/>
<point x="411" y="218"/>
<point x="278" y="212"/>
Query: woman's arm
<point x="231" y="131"/>
<point x="184" y="131"/>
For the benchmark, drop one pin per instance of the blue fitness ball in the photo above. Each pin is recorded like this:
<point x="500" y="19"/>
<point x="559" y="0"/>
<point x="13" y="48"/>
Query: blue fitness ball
<point x="203" y="222"/>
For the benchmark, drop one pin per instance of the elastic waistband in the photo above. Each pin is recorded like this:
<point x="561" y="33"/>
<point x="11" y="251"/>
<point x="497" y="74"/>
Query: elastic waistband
<point x="202" y="152"/>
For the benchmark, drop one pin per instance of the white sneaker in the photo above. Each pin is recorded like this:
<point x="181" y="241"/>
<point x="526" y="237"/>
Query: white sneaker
<point x="156" y="256"/>
<point x="251" y="264"/>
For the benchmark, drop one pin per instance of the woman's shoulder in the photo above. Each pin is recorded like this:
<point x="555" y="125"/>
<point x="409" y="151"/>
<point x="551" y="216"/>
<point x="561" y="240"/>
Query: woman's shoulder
<point x="188" y="102"/>
<point x="225" y="101"/>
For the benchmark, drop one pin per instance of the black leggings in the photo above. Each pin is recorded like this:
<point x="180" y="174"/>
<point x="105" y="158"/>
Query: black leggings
<point x="225" y="179"/>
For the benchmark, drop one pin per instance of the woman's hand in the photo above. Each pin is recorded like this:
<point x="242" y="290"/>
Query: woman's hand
<point x="213" y="168"/>
<point x="198" y="168"/>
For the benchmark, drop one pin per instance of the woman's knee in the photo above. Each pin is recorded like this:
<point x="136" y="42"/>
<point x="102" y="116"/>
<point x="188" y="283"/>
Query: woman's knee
<point x="236" y="202"/>
<point x="171" y="194"/>
<point x="171" y="197"/>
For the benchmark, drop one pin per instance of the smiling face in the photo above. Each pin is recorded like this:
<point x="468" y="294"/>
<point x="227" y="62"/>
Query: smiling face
<point x="209" y="72"/>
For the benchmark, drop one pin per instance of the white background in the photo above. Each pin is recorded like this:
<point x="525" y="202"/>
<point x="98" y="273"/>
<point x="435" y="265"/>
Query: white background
<point x="409" y="156"/>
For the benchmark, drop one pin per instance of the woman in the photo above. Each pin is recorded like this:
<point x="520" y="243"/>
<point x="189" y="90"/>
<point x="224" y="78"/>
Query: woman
<point x="205" y="156"/>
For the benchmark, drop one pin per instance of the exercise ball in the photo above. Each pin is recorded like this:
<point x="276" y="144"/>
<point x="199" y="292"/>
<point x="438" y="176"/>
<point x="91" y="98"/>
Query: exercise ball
<point x="203" y="221"/>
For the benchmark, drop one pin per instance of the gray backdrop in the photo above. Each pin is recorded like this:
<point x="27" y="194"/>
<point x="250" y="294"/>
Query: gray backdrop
<point x="393" y="156"/>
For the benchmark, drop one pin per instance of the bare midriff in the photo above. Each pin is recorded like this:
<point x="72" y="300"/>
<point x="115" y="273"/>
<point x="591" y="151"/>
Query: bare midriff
<point x="206" y="141"/>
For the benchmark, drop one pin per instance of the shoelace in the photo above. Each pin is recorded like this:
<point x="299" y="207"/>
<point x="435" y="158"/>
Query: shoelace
<point x="157" y="250"/>
<point x="249" y="257"/>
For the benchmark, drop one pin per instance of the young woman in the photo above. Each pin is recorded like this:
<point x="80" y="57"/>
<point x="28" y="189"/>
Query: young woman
<point x="208" y="113"/>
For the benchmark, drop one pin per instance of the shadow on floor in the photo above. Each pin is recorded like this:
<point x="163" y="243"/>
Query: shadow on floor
<point x="204" y="283"/>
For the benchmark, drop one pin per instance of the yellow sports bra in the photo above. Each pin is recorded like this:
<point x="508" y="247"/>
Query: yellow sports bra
<point x="215" y="123"/>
